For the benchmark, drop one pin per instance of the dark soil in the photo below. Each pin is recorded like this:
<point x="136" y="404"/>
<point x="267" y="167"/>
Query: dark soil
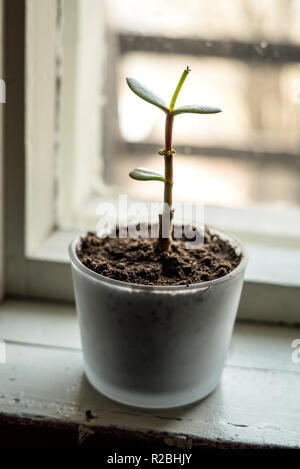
<point x="136" y="260"/>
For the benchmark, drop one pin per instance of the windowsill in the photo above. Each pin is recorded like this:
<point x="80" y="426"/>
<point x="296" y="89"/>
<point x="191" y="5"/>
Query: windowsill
<point x="43" y="385"/>
<point x="262" y="258"/>
<point x="272" y="283"/>
<point x="271" y="238"/>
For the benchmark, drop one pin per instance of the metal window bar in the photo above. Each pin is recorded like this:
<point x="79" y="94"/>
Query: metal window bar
<point x="262" y="51"/>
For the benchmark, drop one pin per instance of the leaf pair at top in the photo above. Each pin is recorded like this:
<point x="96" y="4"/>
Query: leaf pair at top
<point x="144" y="174"/>
<point x="147" y="95"/>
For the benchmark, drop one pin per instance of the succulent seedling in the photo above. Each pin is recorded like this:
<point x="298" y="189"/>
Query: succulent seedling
<point x="144" y="174"/>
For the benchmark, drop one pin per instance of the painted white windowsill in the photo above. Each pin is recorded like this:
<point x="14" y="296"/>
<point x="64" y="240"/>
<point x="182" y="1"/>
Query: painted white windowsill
<point x="256" y="403"/>
<point x="271" y="236"/>
<point x="261" y="267"/>
<point x="272" y="281"/>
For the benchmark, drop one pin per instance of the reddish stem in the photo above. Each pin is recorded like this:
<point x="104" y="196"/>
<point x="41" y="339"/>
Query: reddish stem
<point x="164" y="243"/>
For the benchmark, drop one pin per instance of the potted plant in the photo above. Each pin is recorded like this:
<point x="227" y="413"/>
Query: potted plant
<point x="155" y="317"/>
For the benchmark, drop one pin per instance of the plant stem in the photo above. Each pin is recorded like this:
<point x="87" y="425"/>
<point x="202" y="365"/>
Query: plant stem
<point x="168" y="160"/>
<point x="163" y="243"/>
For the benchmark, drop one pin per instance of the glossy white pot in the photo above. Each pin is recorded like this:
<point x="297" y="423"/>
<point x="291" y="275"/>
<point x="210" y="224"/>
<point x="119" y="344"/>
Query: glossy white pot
<point x="155" y="346"/>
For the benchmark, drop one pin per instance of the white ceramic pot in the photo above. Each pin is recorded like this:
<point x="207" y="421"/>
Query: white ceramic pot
<point x="155" y="346"/>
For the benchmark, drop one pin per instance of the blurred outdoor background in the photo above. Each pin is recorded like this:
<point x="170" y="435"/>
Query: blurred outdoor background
<point x="244" y="56"/>
<point x="245" y="59"/>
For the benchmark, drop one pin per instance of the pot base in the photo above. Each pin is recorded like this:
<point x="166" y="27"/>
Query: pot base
<point x="151" y="400"/>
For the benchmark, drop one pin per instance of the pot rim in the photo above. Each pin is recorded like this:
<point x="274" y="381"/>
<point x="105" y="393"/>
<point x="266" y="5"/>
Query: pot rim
<point x="234" y="241"/>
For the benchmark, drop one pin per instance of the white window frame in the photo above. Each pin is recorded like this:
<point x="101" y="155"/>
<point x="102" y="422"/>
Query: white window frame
<point x="25" y="276"/>
<point x="80" y="123"/>
<point x="41" y="269"/>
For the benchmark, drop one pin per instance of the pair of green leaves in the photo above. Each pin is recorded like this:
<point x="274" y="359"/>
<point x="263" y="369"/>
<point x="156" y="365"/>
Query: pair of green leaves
<point x="147" y="95"/>
<point x="144" y="174"/>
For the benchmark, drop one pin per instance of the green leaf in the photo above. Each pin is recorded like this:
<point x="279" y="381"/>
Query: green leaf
<point x="194" y="109"/>
<point x="144" y="174"/>
<point x="146" y="94"/>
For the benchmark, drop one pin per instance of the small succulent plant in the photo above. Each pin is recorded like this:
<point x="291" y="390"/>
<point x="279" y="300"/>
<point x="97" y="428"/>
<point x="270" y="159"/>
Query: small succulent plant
<point x="144" y="174"/>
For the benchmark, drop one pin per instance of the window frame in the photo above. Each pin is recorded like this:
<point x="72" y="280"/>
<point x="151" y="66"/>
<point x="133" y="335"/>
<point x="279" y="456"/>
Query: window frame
<point x="79" y="92"/>
<point x="44" y="273"/>
<point x="25" y="276"/>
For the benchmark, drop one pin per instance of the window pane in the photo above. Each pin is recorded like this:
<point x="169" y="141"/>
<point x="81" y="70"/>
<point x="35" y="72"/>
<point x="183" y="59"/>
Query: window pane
<point x="243" y="59"/>
<point x="244" y="56"/>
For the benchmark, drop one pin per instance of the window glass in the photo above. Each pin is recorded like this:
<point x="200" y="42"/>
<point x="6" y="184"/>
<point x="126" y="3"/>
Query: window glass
<point x="243" y="56"/>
